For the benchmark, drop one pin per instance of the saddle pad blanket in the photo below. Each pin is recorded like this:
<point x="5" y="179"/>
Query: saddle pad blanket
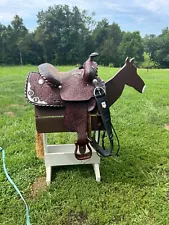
<point x="39" y="92"/>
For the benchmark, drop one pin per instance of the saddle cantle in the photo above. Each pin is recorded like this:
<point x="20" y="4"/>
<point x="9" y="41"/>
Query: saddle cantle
<point x="72" y="90"/>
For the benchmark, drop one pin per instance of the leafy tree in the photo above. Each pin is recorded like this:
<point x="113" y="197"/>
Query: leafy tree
<point x="11" y="39"/>
<point x="150" y="45"/>
<point x="158" y="48"/>
<point x="19" y="32"/>
<point x="63" y="34"/>
<point x="67" y="36"/>
<point x="100" y="32"/>
<point x="8" y="49"/>
<point x="161" y="55"/>
<point x="32" y="51"/>
<point x="106" y="41"/>
<point x="131" y="46"/>
<point x="2" y="39"/>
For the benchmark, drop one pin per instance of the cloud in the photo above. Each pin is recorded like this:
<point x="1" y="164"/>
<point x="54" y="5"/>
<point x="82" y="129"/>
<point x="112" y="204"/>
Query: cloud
<point x="133" y="14"/>
<point x="115" y="7"/>
<point x="30" y="8"/>
<point x="155" y="6"/>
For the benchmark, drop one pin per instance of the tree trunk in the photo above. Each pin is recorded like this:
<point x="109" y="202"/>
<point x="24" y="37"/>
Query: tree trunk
<point x="21" y="60"/>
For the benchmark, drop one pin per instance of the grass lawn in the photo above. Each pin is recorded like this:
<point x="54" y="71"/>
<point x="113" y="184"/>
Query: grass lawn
<point x="134" y="189"/>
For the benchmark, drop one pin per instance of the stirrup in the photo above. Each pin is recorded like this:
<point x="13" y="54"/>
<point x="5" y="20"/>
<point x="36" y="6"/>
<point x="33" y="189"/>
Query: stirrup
<point x="82" y="156"/>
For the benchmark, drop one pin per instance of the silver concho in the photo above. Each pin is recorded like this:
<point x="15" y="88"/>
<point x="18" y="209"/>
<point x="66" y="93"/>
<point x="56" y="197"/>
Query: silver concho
<point x="41" y="81"/>
<point x="35" y="99"/>
<point x="103" y="105"/>
<point x="30" y="92"/>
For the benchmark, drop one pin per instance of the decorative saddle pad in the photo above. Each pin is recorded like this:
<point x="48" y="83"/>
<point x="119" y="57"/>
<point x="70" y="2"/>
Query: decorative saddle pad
<point x="38" y="92"/>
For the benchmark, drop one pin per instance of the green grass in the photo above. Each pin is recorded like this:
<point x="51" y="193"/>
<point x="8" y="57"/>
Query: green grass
<point x="134" y="189"/>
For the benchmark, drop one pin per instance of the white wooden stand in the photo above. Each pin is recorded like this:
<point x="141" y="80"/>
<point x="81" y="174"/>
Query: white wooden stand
<point x="59" y="155"/>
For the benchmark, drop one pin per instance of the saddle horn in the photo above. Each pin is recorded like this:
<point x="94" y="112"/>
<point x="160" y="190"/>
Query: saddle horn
<point x="92" y="55"/>
<point x="90" y="68"/>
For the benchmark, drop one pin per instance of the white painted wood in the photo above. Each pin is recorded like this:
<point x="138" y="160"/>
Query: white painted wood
<point x="97" y="171"/>
<point x="60" y="155"/>
<point x="48" y="174"/>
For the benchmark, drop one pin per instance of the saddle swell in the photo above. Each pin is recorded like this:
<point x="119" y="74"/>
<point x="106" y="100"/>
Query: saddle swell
<point x="72" y="90"/>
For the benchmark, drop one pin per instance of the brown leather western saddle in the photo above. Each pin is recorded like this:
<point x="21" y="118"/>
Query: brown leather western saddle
<point x="73" y="90"/>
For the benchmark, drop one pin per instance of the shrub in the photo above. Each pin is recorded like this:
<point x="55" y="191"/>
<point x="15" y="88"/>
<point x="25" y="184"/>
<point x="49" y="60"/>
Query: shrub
<point x="111" y="65"/>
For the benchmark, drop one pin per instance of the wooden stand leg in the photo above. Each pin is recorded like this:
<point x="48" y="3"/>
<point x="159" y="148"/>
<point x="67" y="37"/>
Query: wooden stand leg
<point x="39" y="145"/>
<point x="97" y="171"/>
<point x="48" y="174"/>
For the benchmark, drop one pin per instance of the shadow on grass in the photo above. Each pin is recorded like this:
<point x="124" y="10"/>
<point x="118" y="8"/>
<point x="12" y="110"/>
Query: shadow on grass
<point x="84" y="171"/>
<point x="132" y="167"/>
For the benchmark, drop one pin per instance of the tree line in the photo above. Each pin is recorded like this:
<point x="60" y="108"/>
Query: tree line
<point x="67" y="36"/>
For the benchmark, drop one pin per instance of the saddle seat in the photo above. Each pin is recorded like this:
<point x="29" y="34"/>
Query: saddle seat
<point x="71" y="84"/>
<point x="52" y="75"/>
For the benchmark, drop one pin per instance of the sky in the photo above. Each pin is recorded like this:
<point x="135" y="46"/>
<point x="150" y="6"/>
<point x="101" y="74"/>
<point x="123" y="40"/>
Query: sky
<point x="146" y="16"/>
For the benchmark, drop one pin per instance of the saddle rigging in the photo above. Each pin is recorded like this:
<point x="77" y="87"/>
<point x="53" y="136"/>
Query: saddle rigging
<point x="79" y="92"/>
